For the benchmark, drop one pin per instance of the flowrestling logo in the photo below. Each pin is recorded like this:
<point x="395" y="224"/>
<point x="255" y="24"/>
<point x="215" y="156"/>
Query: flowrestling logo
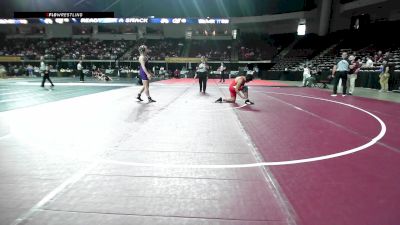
<point x="64" y="15"/>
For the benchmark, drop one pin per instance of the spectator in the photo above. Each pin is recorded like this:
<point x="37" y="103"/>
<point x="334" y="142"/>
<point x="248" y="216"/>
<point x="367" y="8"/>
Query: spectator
<point x="369" y="63"/>
<point x="306" y="74"/>
<point x="3" y="71"/>
<point x="384" y="77"/>
<point x="354" y="69"/>
<point x="29" y="68"/>
<point x="378" y="57"/>
<point x="176" y="73"/>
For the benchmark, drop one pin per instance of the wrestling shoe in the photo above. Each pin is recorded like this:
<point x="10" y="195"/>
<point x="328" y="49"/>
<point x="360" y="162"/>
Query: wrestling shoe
<point x="151" y="100"/>
<point x="248" y="102"/>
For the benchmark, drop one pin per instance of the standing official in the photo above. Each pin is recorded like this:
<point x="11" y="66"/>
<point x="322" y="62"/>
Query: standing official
<point x="222" y="69"/>
<point x="80" y="72"/>
<point x="202" y="74"/>
<point x="339" y="72"/>
<point x="46" y="74"/>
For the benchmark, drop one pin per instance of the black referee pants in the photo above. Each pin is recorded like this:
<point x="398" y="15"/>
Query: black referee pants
<point x="340" y="75"/>
<point x="46" y="77"/>
<point x="202" y="81"/>
<point x="81" y="75"/>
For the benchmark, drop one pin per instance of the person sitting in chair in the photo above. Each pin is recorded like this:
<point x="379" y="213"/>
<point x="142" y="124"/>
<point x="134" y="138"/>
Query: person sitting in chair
<point x="311" y="80"/>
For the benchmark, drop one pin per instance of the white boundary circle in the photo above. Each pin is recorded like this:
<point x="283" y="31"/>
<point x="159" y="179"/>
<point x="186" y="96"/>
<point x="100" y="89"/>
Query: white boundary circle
<point x="277" y="163"/>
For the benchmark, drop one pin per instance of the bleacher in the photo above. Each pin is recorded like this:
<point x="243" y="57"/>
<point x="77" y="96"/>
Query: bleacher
<point x="212" y="50"/>
<point x="33" y="49"/>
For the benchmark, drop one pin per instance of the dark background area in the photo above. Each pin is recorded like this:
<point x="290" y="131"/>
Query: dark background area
<point x="160" y="8"/>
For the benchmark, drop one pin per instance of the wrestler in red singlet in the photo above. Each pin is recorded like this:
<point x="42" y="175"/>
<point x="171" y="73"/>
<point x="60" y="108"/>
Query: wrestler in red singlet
<point x="237" y="87"/>
<point x="232" y="88"/>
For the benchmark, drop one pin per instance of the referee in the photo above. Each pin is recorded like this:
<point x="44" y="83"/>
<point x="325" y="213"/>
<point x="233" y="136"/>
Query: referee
<point x="339" y="71"/>
<point x="80" y="72"/>
<point x="46" y="75"/>
<point x="202" y="74"/>
<point x="222" y="69"/>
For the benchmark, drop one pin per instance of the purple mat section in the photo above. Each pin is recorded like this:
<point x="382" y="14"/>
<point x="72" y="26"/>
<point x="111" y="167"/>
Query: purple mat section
<point x="361" y="188"/>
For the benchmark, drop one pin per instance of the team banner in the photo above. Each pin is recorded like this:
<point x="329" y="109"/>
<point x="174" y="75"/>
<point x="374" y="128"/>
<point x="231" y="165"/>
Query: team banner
<point x="182" y="60"/>
<point x="10" y="59"/>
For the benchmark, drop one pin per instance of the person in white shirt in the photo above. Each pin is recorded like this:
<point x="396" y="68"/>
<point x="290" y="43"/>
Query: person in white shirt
<point x="3" y="71"/>
<point x="222" y="69"/>
<point x="80" y="72"/>
<point x="256" y="71"/>
<point x="30" y="70"/>
<point x="42" y="67"/>
<point x="369" y="63"/>
<point x="93" y="69"/>
<point x="306" y="74"/>
<point x="202" y="74"/>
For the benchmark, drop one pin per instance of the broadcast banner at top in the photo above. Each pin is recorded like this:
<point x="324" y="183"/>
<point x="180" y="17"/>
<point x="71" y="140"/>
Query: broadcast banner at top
<point x="52" y="19"/>
<point x="155" y="20"/>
